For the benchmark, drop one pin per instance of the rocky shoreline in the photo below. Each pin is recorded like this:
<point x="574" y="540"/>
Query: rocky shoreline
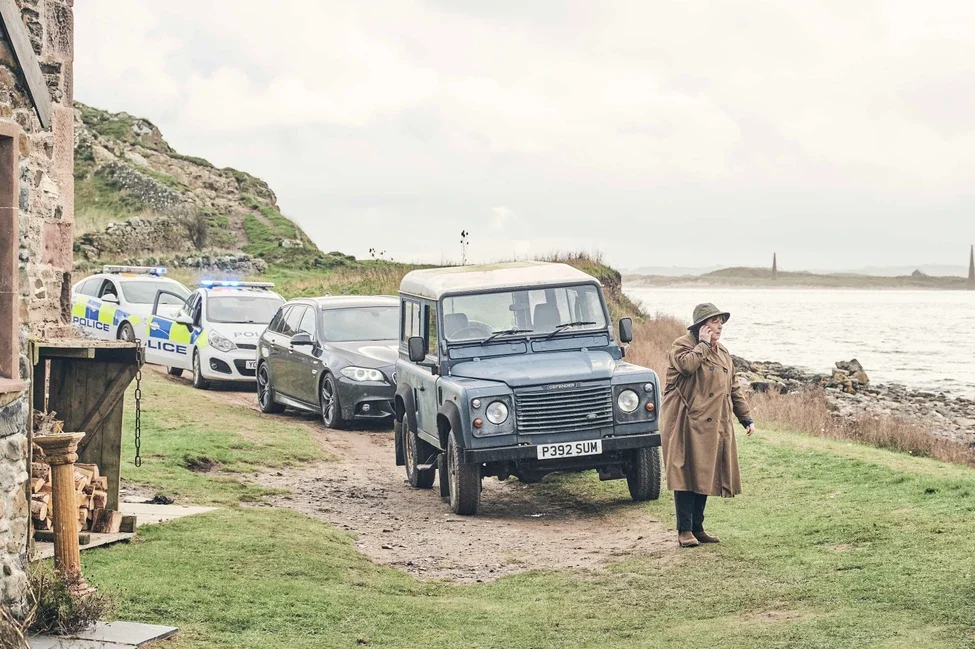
<point x="850" y="392"/>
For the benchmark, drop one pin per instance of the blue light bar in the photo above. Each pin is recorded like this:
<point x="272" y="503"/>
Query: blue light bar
<point x="222" y="283"/>
<point x="158" y="271"/>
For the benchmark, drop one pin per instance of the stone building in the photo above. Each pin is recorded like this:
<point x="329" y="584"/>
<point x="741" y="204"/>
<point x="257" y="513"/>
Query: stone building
<point x="36" y="229"/>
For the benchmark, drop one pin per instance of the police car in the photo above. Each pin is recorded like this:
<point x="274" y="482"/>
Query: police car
<point x="115" y="303"/>
<point x="215" y="333"/>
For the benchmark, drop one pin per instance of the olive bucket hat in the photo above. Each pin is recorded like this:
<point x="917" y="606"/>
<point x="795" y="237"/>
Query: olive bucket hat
<point x="704" y="312"/>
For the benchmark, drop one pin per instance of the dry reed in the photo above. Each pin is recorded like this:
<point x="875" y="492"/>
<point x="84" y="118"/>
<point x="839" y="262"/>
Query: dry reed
<point x="807" y="411"/>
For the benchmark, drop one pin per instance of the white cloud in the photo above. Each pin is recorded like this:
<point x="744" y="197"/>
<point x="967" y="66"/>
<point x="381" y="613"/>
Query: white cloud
<point x="500" y="216"/>
<point x="773" y="124"/>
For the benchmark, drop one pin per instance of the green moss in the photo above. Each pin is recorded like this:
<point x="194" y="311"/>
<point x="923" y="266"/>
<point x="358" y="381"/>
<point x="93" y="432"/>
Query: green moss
<point x="99" y="193"/>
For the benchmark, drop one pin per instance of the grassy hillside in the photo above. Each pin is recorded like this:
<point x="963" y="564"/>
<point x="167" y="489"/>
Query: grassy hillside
<point x="125" y="170"/>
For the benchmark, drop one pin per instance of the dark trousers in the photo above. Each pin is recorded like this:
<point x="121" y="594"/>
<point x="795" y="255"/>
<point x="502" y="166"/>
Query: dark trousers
<point x="690" y="511"/>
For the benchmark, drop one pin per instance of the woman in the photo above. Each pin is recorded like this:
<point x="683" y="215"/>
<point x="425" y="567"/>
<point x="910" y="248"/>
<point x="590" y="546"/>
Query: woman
<point x="698" y="435"/>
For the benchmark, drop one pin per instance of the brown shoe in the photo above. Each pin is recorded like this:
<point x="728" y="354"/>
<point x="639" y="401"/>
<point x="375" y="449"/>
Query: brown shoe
<point x="704" y="537"/>
<point x="687" y="540"/>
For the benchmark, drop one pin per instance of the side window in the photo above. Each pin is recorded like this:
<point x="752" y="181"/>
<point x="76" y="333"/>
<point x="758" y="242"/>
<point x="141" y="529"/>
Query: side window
<point x="277" y="323"/>
<point x="196" y="309"/>
<point x="293" y="320"/>
<point x="411" y="320"/>
<point x="308" y="323"/>
<point x="187" y="309"/>
<point x="108" y="289"/>
<point x="431" y="317"/>
<point x="90" y="287"/>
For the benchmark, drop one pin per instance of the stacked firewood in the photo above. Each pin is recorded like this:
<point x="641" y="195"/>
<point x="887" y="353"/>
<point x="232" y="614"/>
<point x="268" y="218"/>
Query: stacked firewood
<point x="91" y="493"/>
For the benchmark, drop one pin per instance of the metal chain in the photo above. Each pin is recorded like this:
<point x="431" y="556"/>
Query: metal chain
<point x="140" y="356"/>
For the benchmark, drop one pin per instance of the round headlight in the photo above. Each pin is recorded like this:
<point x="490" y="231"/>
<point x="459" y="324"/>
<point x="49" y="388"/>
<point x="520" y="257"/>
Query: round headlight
<point x="497" y="413"/>
<point x="628" y="401"/>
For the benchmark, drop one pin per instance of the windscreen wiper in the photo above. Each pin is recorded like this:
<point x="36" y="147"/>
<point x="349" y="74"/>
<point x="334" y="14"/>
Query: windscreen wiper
<point x="507" y="332"/>
<point x="566" y="325"/>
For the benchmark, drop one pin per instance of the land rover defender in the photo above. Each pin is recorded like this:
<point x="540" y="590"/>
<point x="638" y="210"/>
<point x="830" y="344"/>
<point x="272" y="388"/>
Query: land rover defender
<point x="516" y="370"/>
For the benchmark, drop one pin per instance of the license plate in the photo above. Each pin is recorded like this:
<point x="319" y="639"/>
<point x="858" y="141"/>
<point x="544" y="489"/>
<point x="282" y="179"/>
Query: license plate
<point x="251" y="365"/>
<point x="569" y="449"/>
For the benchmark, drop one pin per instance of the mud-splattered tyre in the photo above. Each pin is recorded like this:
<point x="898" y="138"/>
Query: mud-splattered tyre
<point x="398" y="427"/>
<point x="444" y="476"/>
<point x="265" y="392"/>
<point x="464" y="480"/>
<point x="416" y="452"/>
<point x="643" y="477"/>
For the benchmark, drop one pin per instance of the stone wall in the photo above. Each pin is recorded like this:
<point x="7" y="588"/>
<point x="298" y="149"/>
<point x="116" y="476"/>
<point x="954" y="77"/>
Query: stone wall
<point x="46" y="209"/>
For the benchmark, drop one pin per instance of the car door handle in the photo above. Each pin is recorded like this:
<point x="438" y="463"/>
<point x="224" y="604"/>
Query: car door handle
<point x="153" y="325"/>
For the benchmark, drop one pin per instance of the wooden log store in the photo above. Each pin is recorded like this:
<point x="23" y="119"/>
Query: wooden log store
<point x="84" y="382"/>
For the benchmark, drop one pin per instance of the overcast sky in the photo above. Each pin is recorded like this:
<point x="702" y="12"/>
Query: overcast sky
<point x="839" y="134"/>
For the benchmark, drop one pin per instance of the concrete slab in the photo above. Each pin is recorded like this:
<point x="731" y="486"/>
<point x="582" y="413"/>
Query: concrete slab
<point x="49" y="642"/>
<point x="145" y="514"/>
<point x="111" y="635"/>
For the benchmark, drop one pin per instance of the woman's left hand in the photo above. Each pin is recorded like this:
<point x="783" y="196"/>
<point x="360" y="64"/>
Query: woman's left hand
<point x="750" y="429"/>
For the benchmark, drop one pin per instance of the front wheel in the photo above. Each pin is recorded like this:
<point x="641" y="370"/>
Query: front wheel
<point x="199" y="382"/>
<point x="464" y="480"/>
<point x="126" y="333"/>
<point x="643" y="477"/>
<point x="265" y="392"/>
<point x="331" y="407"/>
<point x="415" y="451"/>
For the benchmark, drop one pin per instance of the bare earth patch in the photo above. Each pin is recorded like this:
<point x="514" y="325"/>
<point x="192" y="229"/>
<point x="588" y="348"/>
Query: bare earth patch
<point x="519" y="527"/>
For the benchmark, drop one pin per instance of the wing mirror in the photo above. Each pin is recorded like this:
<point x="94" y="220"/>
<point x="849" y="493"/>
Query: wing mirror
<point x="417" y="348"/>
<point x="626" y="330"/>
<point x="110" y="298"/>
<point x="185" y="320"/>
<point x="302" y="338"/>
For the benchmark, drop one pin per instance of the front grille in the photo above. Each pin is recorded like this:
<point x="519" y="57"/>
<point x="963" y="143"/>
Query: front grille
<point x="242" y="368"/>
<point x="246" y="346"/>
<point x="562" y="411"/>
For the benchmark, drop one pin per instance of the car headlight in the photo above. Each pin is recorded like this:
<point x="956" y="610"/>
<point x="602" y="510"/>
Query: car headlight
<point x="628" y="401"/>
<point x="497" y="413"/>
<point x="218" y="341"/>
<point x="363" y="374"/>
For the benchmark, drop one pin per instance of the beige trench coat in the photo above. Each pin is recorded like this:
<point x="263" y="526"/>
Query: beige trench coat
<point x="697" y="427"/>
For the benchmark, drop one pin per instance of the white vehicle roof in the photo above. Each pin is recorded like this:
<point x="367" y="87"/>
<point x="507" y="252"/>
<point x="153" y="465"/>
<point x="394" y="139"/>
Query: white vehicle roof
<point x="434" y="283"/>
<point x="129" y="277"/>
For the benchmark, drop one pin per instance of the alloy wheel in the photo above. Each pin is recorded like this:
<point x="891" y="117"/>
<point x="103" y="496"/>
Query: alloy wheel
<point x="263" y="386"/>
<point x="328" y="402"/>
<point x="126" y="333"/>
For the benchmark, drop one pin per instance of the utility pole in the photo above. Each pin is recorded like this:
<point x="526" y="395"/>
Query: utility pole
<point x="971" y="270"/>
<point x="464" y="240"/>
<point x="775" y="267"/>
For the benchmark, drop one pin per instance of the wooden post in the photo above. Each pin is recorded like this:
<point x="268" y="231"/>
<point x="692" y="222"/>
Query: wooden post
<point x="61" y="452"/>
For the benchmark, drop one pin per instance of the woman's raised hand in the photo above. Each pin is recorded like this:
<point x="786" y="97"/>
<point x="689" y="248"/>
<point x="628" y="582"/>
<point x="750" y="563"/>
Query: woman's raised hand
<point x="704" y="334"/>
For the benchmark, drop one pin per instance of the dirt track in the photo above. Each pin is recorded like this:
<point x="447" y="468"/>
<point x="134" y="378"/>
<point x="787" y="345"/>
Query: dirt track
<point x="519" y="527"/>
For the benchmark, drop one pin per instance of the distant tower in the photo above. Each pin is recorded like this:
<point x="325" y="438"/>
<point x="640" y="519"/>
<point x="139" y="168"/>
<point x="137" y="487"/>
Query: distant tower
<point x="971" y="269"/>
<point x="775" y="267"/>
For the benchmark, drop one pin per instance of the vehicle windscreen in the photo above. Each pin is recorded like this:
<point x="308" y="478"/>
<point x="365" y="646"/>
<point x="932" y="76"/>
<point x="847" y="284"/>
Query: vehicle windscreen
<point x="361" y="324"/>
<point x="144" y="292"/>
<point x="250" y="309"/>
<point x="536" y="312"/>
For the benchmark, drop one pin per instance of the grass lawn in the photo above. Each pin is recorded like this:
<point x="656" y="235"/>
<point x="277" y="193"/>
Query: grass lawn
<point x="185" y="431"/>
<point x="833" y="545"/>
